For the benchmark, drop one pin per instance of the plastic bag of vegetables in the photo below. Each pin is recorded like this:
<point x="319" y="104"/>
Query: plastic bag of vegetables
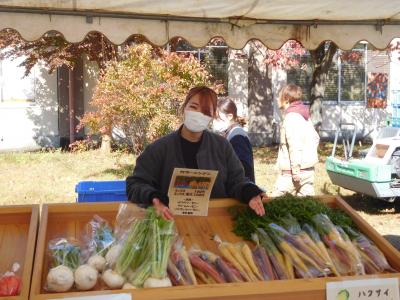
<point x="275" y="256"/>
<point x="65" y="258"/>
<point x="179" y="269"/>
<point x="374" y="260"/>
<point x="207" y="269"/>
<point x="343" y="254"/>
<point x="10" y="283"/>
<point x="146" y="251"/>
<point x="98" y="239"/>
<point x="241" y="257"/>
<point x="299" y="259"/>
<point x="303" y="242"/>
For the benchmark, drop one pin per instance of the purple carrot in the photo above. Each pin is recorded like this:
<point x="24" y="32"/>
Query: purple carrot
<point x="223" y="268"/>
<point x="277" y="267"/>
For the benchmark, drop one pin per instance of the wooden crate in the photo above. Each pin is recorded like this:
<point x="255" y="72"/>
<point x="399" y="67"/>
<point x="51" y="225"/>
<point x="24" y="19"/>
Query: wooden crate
<point x="18" y="232"/>
<point x="68" y="220"/>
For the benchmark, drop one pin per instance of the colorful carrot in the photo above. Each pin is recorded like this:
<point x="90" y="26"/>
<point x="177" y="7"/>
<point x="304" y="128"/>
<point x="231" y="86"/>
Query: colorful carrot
<point x="205" y="267"/>
<point x="366" y="246"/>
<point x="274" y="255"/>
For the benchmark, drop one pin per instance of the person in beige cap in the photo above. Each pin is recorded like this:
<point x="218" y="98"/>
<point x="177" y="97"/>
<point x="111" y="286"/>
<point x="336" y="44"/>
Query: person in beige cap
<point x="298" y="147"/>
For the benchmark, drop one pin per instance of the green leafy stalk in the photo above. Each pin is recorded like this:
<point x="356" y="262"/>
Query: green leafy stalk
<point x="133" y="247"/>
<point x="64" y="253"/>
<point x="163" y="238"/>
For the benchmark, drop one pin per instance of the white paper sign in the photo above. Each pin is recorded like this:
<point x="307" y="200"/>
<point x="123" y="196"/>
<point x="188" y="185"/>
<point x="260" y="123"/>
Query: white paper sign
<point x="368" y="289"/>
<point x="102" y="297"/>
<point x="189" y="191"/>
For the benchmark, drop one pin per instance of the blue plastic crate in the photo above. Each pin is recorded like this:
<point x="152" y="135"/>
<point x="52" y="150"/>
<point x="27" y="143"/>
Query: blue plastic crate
<point x="101" y="191"/>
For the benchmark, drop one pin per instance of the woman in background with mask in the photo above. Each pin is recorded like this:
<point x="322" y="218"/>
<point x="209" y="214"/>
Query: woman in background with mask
<point x="191" y="146"/>
<point x="230" y="126"/>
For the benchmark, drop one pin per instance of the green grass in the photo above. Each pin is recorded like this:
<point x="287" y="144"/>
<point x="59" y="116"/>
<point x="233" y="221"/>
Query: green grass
<point x="50" y="177"/>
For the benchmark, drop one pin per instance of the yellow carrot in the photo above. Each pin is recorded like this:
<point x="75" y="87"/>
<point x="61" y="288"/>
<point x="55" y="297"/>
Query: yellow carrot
<point x="305" y="258"/>
<point x="228" y="256"/>
<point x="327" y="257"/>
<point x="288" y="266"/>
<point x="248" y="255"/>
<point x="239" y="258"/>
<point x="312" y="246"/>
<point x="295" y="258"/>
<point x="188" y="265"/>
<point x="203" y="277"/>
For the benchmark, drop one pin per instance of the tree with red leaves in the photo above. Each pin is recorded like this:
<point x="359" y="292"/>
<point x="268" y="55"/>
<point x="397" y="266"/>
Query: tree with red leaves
<point x="54" y="51"/>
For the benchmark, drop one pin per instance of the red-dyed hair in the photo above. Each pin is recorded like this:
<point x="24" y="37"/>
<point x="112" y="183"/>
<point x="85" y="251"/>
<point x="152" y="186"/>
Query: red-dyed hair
<point x="207" y="96"/>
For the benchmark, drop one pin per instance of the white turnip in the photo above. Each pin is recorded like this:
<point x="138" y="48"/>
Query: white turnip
<point x="60" y="279"/>
<point x="98" y="262"/>
<point x="112" y="279"/>
<point x="128" y="286"/>
<point x="85" y="277"/>
<point x="155" y="282"/>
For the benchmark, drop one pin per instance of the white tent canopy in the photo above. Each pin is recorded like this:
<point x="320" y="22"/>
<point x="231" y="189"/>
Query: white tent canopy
<point x="271" y="21"/>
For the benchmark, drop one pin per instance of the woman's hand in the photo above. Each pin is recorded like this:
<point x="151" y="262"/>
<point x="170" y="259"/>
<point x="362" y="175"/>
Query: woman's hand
<point x="296" y="178"/>
<point x="162" y="210"/>
<point x="256" y="204"/>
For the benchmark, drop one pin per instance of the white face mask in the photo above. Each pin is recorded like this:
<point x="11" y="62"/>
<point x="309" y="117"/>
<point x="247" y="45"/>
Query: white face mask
<point x="220" y="125"/>
<point x="196" y="121"/>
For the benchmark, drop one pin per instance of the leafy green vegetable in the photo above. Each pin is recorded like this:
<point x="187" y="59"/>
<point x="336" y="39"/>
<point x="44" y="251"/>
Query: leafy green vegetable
<point x="64" y="252"/>
<point x="246" y="221"/>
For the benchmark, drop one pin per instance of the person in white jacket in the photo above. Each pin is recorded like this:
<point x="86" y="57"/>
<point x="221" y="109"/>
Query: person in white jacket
<point x="298" y="147"/>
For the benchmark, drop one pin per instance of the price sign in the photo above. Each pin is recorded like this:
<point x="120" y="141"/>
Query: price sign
<point x="368" y="289"/>
<point x="189" y="191"/>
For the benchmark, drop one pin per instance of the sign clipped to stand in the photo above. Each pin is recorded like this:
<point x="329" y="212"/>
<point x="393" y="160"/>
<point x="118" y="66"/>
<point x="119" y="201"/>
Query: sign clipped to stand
<point x="189" y="191"/>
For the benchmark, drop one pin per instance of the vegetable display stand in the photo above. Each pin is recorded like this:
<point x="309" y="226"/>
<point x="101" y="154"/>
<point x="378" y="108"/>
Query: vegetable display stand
<point x="68" y="220"/>
<point x="18" y="232"/>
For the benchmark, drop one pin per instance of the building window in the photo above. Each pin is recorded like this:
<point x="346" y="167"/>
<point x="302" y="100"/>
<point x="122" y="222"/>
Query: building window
<point x="214" y="56"/>
<point x="352" y="66"/>
<point x="346" y="80"/>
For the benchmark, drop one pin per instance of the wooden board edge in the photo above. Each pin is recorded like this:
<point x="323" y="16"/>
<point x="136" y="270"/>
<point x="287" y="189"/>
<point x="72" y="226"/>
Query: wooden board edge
<point x="39" y="254"/>
<point x="303" y="287"/>
<point x="14" y="209"/>
<point x="30" y="251"/>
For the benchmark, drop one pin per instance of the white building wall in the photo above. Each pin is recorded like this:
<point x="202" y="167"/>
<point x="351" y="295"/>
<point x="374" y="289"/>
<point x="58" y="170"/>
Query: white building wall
<point x="28" y="108"/>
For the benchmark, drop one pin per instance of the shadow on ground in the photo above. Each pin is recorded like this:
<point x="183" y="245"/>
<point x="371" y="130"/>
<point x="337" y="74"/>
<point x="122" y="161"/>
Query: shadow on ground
<point x="394" y="240"/>
<point x="372" y="205"/>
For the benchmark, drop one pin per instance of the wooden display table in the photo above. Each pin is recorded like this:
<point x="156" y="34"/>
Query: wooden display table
<point x="68" y="220"/>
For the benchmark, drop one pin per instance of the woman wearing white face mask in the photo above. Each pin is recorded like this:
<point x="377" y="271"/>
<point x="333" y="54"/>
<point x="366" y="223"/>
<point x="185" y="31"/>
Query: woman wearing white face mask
<point x="229" y="125"/>
<point x="194" y="147"/>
